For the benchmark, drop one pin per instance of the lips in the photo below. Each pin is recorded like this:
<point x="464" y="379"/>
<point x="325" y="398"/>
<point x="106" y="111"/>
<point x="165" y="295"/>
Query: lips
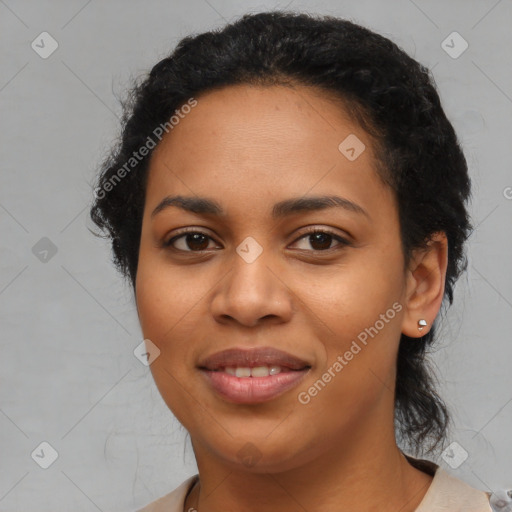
<point x="250" y="358"/>
<point x="248" y="376"/>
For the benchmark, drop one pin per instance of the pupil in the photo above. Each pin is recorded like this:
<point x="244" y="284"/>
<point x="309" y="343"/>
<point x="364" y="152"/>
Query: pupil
<point x="323" y="238"/>
<point x="196" y="239"/>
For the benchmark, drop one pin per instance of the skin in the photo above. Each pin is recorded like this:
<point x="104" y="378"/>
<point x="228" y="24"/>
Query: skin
<point x="248" y="148"/>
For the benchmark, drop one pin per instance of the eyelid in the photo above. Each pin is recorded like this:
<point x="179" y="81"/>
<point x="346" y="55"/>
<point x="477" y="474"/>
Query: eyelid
<point x="185" y="231"/>
<point x="324" y="229"/>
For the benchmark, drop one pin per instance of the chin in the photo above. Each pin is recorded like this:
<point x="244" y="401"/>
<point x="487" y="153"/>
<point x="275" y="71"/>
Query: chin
<point x="257" y="454"/>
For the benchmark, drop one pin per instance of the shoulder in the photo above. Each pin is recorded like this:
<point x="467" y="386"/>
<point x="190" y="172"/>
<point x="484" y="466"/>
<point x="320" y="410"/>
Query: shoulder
<point x="445" y="494"/>
<point x="448" y="493"/>
<point x="172" y="502"/>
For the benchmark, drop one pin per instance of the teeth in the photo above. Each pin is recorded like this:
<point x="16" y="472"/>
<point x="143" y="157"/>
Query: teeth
<point x="243" y="372"/>
<point x="274" y="370"/>
<point x="260" y="371"/>
<point x="257" y="371"/>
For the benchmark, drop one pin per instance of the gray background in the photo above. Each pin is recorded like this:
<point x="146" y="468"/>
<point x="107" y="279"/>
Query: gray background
<point x="68" y="322"/>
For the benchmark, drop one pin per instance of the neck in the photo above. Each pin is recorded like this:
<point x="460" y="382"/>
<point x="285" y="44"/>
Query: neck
<point x="368" y="472"/>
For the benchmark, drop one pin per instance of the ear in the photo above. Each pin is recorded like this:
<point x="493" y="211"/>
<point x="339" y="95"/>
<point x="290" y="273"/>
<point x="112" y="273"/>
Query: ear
<point x="425" y="280"/>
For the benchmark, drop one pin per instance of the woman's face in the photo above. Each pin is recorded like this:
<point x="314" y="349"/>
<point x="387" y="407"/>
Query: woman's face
<point x="255" y="277"/>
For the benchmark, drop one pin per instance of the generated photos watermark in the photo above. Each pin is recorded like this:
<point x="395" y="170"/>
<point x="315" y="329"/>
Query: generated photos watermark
<point x="305" y="397"/>
<point x="151" y="142"/>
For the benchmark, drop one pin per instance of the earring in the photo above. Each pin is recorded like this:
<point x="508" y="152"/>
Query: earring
<point x="421" y="324"/>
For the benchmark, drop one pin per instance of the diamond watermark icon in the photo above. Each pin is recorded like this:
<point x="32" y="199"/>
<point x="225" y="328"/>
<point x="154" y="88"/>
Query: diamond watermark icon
<point x="249" y="250"/>
<point x="249" y="455"/>
<point x="44" y="455"/>
<point x="454" y="455"/>
<point x="44" y="45"/>
<point x="146" y="352"/>
<point x="44" y="250"/>
<point x="351" y="147"/>
<point x="454" y="45"/>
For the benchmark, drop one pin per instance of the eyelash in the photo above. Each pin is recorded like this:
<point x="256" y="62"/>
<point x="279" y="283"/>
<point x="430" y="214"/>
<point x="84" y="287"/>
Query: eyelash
<point x="187" y="231"/>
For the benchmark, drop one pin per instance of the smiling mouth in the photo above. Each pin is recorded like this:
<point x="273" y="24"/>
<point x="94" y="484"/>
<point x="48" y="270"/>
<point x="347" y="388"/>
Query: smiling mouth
<point x="253" y="358"/>
<point x="258" y="375"/>
<point x="249" y="388"/>
<point x="256" y="371"/>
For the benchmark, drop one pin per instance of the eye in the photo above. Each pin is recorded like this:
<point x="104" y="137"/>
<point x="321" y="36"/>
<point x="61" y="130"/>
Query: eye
<point x="321" y="239"/>
<point x="189" y="240"/>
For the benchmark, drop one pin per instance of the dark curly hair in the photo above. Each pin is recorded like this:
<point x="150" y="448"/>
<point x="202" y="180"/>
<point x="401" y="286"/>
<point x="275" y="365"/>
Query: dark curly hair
<point x="391" y="95"/>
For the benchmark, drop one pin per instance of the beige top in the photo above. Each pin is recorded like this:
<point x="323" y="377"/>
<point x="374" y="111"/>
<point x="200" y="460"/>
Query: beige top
<point x="445" y="494"/>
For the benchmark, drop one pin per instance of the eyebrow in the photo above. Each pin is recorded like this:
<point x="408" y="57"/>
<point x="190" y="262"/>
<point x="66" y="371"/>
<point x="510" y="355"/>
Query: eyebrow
<point x="207" y="206"/>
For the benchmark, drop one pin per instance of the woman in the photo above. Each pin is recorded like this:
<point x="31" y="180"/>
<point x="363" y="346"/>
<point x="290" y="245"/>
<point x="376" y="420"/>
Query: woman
<point x="288" y="200"/>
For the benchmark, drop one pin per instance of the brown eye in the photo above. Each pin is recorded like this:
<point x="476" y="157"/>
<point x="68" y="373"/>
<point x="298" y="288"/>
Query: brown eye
<point x="321" y="240"/>
<point x="191" y="241"/>
<point x="317" y="239"/>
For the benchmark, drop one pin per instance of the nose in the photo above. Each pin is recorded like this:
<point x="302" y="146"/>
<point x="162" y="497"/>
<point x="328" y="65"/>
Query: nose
<point x="252" y="293"/>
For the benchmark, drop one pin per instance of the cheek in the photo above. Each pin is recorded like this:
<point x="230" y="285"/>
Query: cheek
<point x="352" y="297"/>
<point x="165" y="297"/>
<point x="167" y="317"/>
<point x="360" y="309"/>
<point x="357" y="377"/>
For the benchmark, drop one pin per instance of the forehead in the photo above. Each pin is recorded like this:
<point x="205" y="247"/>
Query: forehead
<point x="264" y="142"/>
<point x="264" y="115"/>
<point x="245" y="121"/>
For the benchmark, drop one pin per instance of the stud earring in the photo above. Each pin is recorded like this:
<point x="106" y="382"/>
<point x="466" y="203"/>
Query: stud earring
<point x="421" y="324"/>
